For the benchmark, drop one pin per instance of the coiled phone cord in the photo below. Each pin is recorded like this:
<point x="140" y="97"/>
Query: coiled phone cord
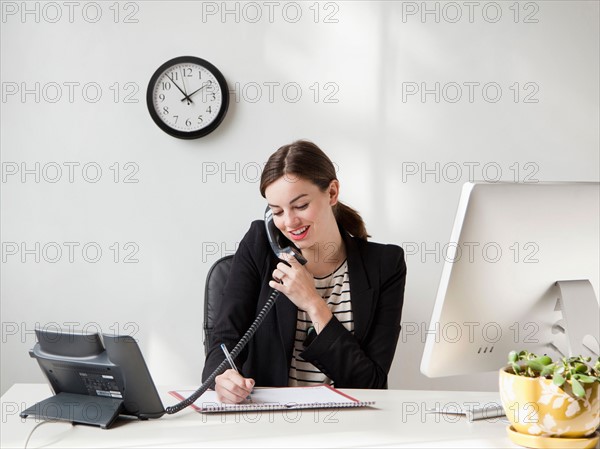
<point x="234" y="353"/>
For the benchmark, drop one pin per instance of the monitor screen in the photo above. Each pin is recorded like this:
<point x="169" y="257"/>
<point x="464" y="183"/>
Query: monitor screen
<point x="509" y="246"/>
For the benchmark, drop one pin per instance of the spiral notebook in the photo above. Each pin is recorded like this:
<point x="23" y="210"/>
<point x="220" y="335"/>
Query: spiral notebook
<point x="320" y="396"/>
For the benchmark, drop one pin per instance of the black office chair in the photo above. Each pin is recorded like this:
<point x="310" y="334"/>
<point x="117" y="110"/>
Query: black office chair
<point x="213" y="292"/>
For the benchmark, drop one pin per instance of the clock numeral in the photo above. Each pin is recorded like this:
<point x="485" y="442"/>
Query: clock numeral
<point x="176" y="118"/>
<point x="199" y="74"/>
<point x="200" y="119"/>
<point x="166" y="110"/>
<point x="188" y="122"/>
<point x="214" y="96"/>
<point x="174" y="75"/>
<point x="166" y="85"/>
<point x="209" y="110"/>
<point x="161" y="97"/>
<point x="187" y="72"/>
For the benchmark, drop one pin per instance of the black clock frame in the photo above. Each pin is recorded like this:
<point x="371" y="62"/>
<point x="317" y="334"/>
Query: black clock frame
<point x="224" y="98"/>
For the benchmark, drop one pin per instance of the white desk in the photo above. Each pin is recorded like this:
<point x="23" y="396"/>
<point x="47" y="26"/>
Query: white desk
<point x="397" y="420"/>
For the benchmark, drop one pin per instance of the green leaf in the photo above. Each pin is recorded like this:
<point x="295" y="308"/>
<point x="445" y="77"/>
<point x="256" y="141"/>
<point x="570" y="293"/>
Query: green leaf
<point x="513" y="356"/>
<point x="548" y="369"/>
<point x="578" y="389"/>
<point x="544" y="360"/>
<point x="586" y="379"/>
<point x="535" y="365"/>
<point x="557" y="379"/>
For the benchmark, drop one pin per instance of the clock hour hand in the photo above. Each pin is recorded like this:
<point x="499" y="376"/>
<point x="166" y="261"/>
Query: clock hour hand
<point x="186" y="97"/>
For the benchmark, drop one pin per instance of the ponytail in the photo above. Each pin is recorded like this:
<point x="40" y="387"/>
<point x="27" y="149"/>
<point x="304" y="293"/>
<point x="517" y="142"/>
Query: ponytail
<point x="350" y="220"/>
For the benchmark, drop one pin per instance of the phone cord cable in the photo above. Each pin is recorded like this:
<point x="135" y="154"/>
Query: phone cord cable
<point x="224" y="364"/>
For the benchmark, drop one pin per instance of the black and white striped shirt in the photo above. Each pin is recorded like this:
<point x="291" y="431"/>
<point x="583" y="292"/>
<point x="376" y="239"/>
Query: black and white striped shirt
<point x="335" y="290"/>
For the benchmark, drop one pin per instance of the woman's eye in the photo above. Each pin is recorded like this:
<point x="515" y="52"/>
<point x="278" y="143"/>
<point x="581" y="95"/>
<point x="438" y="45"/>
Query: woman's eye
<point x="302" y="207"/>
<point x="277" y="214"/>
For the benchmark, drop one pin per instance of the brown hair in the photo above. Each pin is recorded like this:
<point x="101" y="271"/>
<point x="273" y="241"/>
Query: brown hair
<point x="306" y="160"/>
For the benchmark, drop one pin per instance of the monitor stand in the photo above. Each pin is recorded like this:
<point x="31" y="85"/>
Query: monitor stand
<point x="580" y="319"/>
<point x="77" y="408"/>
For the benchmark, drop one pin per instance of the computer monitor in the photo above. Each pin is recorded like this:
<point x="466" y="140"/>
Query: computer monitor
<point x="95" y="378"/>
<point x="510" y="244"/>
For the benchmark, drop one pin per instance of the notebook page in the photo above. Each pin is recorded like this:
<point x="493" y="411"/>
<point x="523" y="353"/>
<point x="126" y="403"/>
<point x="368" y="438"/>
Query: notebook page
<point x="285" y="397"/>
<point x="299" y="395"/>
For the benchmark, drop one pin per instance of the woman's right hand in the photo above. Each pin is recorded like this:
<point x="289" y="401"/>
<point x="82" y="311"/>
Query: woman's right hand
<point x="232" y="388"/>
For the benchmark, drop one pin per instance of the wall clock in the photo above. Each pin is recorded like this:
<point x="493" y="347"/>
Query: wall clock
<point x="187" y="97"/>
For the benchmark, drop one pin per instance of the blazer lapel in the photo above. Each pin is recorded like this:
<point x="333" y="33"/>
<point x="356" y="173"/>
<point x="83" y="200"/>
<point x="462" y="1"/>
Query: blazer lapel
<point x="361" y="295"/>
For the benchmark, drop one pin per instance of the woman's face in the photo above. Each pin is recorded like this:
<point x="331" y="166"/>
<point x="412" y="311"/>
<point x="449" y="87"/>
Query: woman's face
<point x="301" y="211"/>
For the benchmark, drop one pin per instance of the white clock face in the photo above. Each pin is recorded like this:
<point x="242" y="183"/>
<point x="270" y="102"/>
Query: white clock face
<point x="187" y="98"/>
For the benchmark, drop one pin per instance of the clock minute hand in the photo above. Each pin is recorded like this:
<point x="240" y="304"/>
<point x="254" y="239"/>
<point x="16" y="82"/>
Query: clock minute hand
<point x="183" y="83"/>
<point x="186" y="97"/>
<point x="196" y="91"/>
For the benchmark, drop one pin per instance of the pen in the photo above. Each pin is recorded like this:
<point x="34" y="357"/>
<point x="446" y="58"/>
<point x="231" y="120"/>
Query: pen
<point x="231" y="362"/>
<point x="228" y="357"/>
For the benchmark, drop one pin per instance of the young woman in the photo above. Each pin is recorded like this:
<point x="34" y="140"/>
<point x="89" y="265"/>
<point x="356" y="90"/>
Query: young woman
<point x="337" y="320"/>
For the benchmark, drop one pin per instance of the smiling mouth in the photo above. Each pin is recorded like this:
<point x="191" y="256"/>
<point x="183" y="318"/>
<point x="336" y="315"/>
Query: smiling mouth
<point x="300" y="233"/>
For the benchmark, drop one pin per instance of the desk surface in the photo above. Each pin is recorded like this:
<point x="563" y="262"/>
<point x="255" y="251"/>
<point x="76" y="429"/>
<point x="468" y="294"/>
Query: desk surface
<point x="398" y="419"/>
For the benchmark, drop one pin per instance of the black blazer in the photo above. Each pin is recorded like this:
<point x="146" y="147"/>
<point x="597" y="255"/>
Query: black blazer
<point x="377" y="275"/>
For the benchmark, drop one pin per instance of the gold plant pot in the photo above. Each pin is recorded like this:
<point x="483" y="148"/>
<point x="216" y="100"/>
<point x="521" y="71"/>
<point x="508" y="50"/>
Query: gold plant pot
<point x="537" y="407"/>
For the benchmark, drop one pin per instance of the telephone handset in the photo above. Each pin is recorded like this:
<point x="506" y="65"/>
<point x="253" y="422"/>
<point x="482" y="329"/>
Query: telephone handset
<point x="277" y="240"/>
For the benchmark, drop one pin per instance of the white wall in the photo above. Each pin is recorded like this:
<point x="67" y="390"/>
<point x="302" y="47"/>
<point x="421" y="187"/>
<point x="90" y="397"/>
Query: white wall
<point x="177" y="213"/>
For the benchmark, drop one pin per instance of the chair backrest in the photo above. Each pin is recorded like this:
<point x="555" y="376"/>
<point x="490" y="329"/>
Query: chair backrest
<point x="213" y="293"/>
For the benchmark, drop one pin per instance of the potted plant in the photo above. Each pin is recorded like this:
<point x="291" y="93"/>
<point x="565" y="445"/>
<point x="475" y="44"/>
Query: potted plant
<point x="551" y="399"/>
